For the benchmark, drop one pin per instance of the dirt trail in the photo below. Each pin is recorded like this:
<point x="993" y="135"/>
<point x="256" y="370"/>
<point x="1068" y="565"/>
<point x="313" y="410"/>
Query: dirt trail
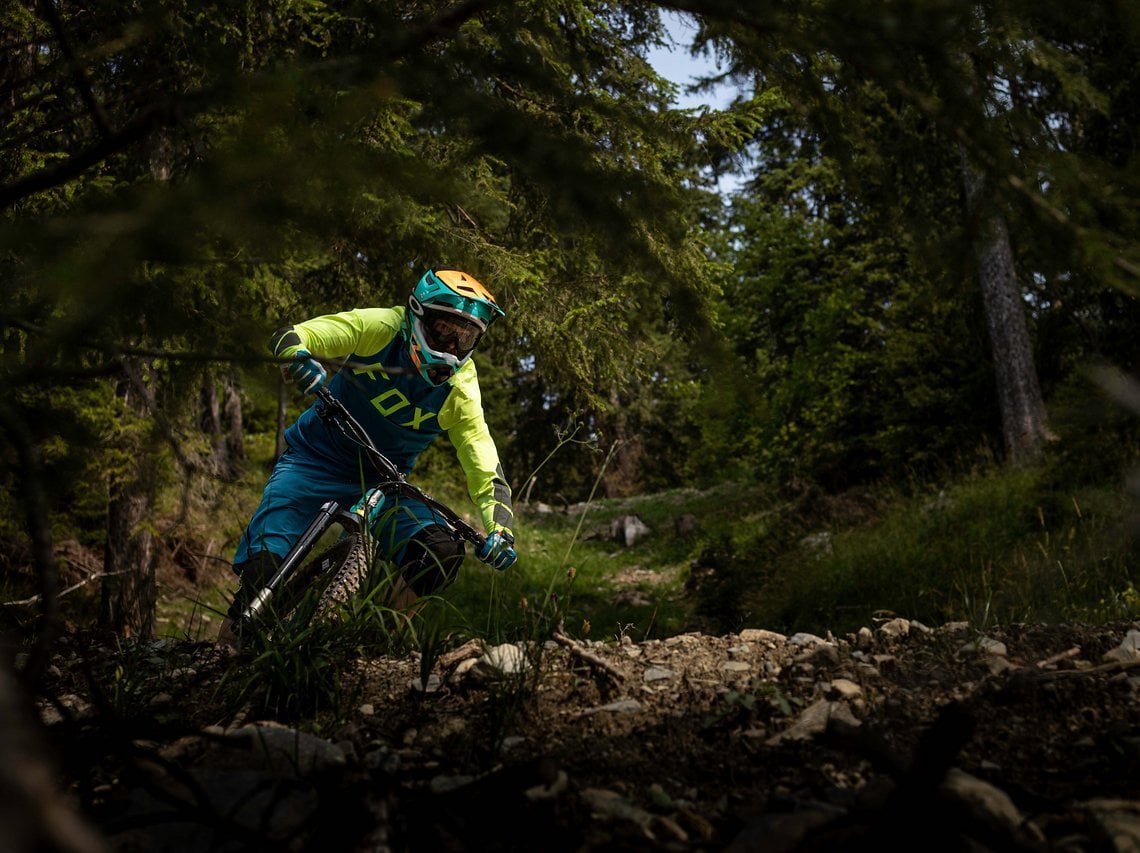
<point x="1024" y="738"/>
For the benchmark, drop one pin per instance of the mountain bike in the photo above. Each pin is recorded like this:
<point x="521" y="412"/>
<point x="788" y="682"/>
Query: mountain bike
<point x="341" y="568"/>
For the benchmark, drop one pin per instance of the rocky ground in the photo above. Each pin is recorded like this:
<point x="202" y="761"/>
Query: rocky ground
<point x="900" y="737"/>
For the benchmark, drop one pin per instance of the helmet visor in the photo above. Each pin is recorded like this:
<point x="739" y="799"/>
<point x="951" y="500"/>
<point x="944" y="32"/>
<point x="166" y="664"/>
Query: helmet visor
<point x="450" y="333"/>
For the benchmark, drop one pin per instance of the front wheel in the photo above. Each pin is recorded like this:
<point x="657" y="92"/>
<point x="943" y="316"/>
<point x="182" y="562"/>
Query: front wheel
<point x="349" y="566"/>
<point x="347" y="563"/>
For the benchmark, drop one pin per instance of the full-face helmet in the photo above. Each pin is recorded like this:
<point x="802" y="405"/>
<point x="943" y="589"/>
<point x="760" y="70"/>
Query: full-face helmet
<point x="448" y="312"/>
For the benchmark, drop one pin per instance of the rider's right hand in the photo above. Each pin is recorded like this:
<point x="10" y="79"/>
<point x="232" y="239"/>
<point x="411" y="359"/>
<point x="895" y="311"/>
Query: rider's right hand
<point x="306" y="372"/>
<point x="498" y="550"/>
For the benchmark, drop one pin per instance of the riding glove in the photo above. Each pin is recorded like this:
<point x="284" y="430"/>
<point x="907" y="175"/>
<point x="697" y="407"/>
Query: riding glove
<point x="306" y="372"/>
<point x="498" y="550"/>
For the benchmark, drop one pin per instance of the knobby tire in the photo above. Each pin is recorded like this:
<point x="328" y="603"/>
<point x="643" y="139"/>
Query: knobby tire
<point x="347" y="575"/>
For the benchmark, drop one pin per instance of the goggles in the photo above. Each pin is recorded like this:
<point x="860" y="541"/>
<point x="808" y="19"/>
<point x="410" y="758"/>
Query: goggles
<point x="448" y="333"/>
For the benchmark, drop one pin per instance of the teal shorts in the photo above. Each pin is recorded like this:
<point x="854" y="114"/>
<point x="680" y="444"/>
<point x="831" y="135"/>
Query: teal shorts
<point x="297" y="489"/>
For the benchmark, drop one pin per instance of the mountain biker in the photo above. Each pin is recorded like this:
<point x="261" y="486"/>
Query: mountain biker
<point x="407" y="377"/>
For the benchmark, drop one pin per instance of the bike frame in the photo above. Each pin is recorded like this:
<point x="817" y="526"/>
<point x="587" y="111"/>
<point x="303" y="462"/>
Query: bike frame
<point x="333" y="412"/>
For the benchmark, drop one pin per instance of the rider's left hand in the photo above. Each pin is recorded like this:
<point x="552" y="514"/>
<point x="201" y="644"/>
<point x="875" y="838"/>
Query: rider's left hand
<point x="306" y="372"/>
<point x="498" y="551"/>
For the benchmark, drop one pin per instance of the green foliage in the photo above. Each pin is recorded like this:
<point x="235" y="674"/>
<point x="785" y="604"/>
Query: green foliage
<point x="179" y="179"/>
<point x="743" y="707"/>
<point x="851" y="358"/>
<point x="1000" y="547"/>
<point x="851" y="306"/>
<point x="571" y="570"/>
<point x="993" y="547"/>
<point x="298" y="675"/>
<point x="293" y="665"/>
<point x="498" y="153"/>
<point x="199" y="177"/>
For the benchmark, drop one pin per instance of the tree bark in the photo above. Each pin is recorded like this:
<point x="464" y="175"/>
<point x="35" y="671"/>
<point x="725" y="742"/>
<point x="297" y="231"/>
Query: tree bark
<point x="1025" y="423"/>
<point x="282" y="411"/>
<point x="234" y="430"/>
<point x="221" y="421"/>
<point x="622" y="475"/>
<point x="34" y="499"/>
<point x="128" y="594"/>
<point x="34" y="813"/>
<point x="209" y="409"/>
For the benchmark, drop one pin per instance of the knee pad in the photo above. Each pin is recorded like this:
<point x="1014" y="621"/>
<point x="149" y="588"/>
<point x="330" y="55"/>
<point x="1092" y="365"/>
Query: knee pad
<point x="431" y="559"/>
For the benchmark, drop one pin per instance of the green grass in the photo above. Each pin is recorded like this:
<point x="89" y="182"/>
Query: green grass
<point x="569" y="569"/>
<point x="995" y="547"/>
<point x="1002" y="547"/>
<point x="999" y="546"/>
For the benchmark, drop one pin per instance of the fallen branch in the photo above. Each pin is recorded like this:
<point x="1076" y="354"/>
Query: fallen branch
<point x="1060" y="656"/>
<point x="589" y="657"/>
<point x="35" y="598"/>
<point x="1112" y="666"/>
<point x="470" y="649"/>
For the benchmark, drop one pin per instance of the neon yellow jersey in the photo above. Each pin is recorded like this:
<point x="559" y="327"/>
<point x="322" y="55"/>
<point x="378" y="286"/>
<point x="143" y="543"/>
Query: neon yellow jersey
<point x="402" y="413"/>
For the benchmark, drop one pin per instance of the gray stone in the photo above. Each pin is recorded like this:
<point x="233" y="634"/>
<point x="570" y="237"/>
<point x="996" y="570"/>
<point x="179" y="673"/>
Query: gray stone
<point x="818" y="545"/>
<point x="284" y="751"/>
<point x="783" y="833"/>
<point x="620" y="706"/>
<point x="895" y="628"/>
<point x="821" y="655"/>
<point x="986" y="802"/>
<point x="985" y="646"/>
<point x="612" y="805"/>
<point x="814" y="721"/>
<point x="1116" y="823"/>
<point x="846" y="689"/>
<point x="628" y="530"/>
<point x="446" y="784"/>
<point x="735" y="666"/>
<point x="550" y="791"/>
<point x="998" y="664"/>
<point x="432" y="684"/>
<point x="760" y="635"/>
<point x="256" y="775"/>
<point x="1128" y="650"/>
<point x="802" y="638"/>
<point x="658" y="673"/>
<point x="506" y="659"/>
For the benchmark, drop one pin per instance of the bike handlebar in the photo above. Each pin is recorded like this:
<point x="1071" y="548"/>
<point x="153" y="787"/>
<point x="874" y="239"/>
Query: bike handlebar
<point x="332" y="409"/>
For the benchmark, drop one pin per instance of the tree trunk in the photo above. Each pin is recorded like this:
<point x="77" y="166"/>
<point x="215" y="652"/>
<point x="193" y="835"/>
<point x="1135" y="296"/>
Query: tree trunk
<point x="33" y="498"/>
<point x="209" y="410"/>
<point x="34" y="813"/>
<point x="1025" y="424"/>
<point x="622" y="476"/>
<point x="282" y="410"/>
<point x="210" y="422"/>
<point x="221" y="421"/>
<point x="129" y="558"/>
<point x="234" y="434"/>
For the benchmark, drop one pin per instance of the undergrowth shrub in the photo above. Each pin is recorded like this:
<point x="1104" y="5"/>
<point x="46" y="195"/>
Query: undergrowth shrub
<point x="1004" y="547"/>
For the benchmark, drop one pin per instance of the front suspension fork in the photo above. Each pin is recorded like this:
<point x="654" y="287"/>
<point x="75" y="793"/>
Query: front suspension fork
<point x="330" y="513"/>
